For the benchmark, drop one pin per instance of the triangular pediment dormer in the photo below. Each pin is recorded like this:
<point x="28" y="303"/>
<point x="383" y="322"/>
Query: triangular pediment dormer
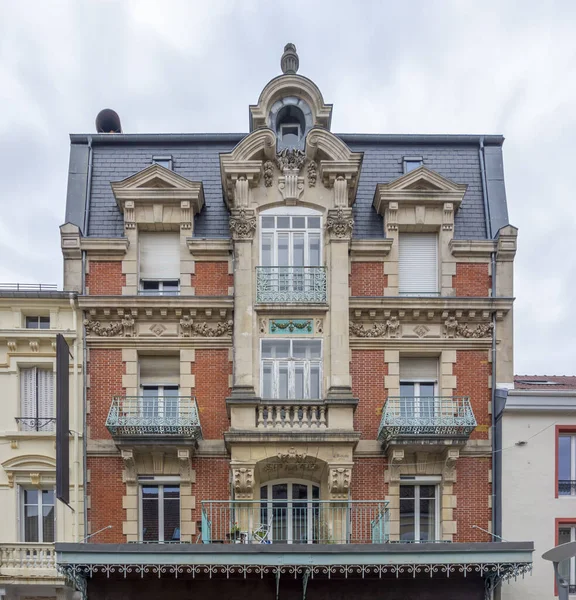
<point x="159" y="188"/>
<point x="422" y="187"/>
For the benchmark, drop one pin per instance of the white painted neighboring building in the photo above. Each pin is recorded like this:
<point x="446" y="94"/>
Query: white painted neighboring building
<point x="539" y="476"/>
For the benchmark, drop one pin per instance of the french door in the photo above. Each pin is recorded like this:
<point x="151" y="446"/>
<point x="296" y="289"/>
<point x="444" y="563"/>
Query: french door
<point x="291" y="512"/>
<point x="417" y="399"/>
<point x="160" y="401"/>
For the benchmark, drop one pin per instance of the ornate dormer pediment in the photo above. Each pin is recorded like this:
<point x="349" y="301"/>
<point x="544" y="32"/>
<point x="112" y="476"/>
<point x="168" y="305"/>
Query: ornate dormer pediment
<point x="144" y="197"/>
<point x="421" y="187"/>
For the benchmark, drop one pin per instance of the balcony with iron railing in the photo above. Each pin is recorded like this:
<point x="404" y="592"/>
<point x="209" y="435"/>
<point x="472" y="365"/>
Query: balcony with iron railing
<point x="295" y="521"/>
<point x="39" y="424"/>
<point x="156" y="417"/>
<point x="303" y="285"/>
<point x="407" y="420"/>
<point x="27" y="560"/>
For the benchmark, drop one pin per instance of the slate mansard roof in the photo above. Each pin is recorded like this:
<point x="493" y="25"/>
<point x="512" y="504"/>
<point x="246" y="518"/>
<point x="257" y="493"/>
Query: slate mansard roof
<point x="197" y="157"/>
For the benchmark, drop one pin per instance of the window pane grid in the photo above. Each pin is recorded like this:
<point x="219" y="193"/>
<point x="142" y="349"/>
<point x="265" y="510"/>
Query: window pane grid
<point x="160" y="513"/>
<point x="290" y="241"/>
<point x="567" y="465"/>
<point x="418" y="510"/>
<point x="38" y="516"/>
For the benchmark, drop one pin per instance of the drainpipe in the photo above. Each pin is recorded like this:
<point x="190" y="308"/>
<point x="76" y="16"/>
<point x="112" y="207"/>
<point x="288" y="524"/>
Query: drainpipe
<point x="76" y="389"/>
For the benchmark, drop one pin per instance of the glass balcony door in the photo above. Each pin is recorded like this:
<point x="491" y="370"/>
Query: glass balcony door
<point x="291" y="241"/>
<point x="160" y="401"/>
<point x="417" y="399"/>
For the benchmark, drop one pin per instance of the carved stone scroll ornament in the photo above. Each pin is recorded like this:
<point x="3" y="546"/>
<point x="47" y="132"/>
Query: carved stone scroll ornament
<point x="290" y="159"/>
<point x="291" y="456"/>
<point x="312" y="173"/>
<point x="452" y="329"/>
<point x="243" y="483"/>
<point x="340" y="223"/>
<point x="390" y="328"/>
<point x="125" y="326"/>
<point x="339" y="482"/>
<point x="243" y="224"/>
<point x="191" y="329"/>
<point x="268" y="173"/>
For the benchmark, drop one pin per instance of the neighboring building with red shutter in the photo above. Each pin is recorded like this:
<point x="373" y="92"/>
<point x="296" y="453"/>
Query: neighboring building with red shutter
<point x="292" y="342"/>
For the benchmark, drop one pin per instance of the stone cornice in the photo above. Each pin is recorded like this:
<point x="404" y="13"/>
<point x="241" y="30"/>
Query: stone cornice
<point x="120" y="304"/>
<point x="418" y="344"/>
<point x="209" y="249"/>
<point x="472" y="248"/>
<point x="388" y="304"/>
<point x="105" y="246"/>
<point x="370" y="250"/>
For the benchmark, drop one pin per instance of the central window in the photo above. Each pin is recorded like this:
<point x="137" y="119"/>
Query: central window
<point x="418" y="512"/>
<point x="159" y="512"/>
<point x="38" y="512"/>
<point x="291" y="240"/>
<point x="418" y="381"/>
<point x="291" y="369"/>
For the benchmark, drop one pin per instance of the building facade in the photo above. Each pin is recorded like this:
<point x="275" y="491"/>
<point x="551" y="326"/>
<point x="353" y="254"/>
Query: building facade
<point x="32" y="519"/>
<point x="292" y="338"/>
<point x="539" y="458"/>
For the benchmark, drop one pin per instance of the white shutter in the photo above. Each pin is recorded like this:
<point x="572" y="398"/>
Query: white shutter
<point x="158" y="370"/>
<point x="418" y="263"/>
<point x="159" y="255"/>
<point x="45" y="386"/>
<point x="412" y="369"/>
<point x="28" y="397"/>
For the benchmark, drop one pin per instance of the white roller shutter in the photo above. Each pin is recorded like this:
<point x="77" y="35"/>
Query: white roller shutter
<point x="28" y="397"/>
<point x="45" y="388"/>
<point x="159" y="255"/>
<point x="159" y="370"/>
<point x="412" y="369"/>
<point x="418" y="264"/>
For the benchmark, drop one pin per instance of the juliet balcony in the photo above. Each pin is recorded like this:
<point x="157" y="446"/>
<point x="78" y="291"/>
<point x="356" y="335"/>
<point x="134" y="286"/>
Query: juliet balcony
<point x="295" y="521"/>
<point x="410" y="420"/>
<point x="137" y="418"/>
<point x="304" y="285"/>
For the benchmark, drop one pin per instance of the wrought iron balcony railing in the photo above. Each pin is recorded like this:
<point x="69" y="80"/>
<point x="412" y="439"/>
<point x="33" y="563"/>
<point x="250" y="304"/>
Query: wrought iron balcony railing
<point x="295" y="521"/>
<point x="27" y="557"/>
<point x="566" y="487"/>
<point x="154" y="416"/>
<point x="431" y="417"/>
<point x="291" y="284"/>
<point x="36" y="423"/>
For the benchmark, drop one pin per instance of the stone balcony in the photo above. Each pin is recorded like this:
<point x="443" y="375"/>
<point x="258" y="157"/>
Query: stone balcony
<point x="23" y="562"/>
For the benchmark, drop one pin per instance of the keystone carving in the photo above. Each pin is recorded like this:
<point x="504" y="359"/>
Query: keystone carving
<point x="125" y="326"/>
<point x="190" y="329"/>
<point x="339" y="482"/>
<point x="243" y="224"/>
<point x="390" y="328"/>
<point x="340" y="223"/>
<point x="291" y="456"/>
<point x="291" y="159"/>
<point x="243" y="483"/>
<point x="268" y="173"/>
<point x="452" y="329"/>
<point x="291" y="186"/>
<point x="312" y="173"/>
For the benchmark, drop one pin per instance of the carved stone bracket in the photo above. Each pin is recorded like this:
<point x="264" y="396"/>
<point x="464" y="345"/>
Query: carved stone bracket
<point x="129" y="215"/>
<point x="312" y="173"/>
<point x="390" y="329"/>
<point x="340" y="223"/>
<point x="339" y="482"/>
<point x="291" y="186"/>
<point x="395" y="461"/>
<point x="184" y="464"/>
<point x="449" y="471"/>
<point x="185" y="215"/>
<point x="452" y="329"/>
<point x="243" y="478"/>
<point x="243" y="224"/>
<point x="392" y="216"/>
<point x="125" y="326"/>
<point x="448" y="217"/>
<point x="190" y="329"/>
<point x="129" y="466"/>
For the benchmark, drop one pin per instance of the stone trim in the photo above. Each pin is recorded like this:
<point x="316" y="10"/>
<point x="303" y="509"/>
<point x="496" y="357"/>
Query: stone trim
<point x="370" y="250"/>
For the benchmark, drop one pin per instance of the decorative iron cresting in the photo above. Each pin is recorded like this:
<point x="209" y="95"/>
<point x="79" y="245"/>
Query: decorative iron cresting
<point x="291" y="284"/>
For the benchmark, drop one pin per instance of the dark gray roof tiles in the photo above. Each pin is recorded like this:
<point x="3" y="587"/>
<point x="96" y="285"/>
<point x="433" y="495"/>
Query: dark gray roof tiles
<point x="197" y="158"/>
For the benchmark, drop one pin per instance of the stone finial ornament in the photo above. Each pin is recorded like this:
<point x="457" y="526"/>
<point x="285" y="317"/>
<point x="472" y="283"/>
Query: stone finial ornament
<point x="289" y="62"/>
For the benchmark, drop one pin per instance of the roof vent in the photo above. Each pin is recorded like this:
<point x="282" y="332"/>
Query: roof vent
<point x="108" y="121"/>
<point x="289" y="61"/>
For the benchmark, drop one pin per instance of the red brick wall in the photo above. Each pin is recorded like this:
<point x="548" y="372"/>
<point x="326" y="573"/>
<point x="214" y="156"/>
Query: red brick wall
<point x="368" y="479"/>
<point x="472" y="491"/>
<point x="471" y="279"/>
<point x="105" y="278"/>
<point x="106" y="490"/>
<point x="212" y="482"/>
<point x="367" y="279"/>
<point x="472" y="371"/>
<point x="105" y="369"/>
<point x="211" y="370"/>
<point x="212" y="279"/>
<point x="367" y="370"/>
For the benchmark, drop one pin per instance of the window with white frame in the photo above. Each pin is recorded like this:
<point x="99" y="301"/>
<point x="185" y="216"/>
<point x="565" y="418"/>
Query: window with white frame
<point x="160" y="510"/>
<point x="567" y="464"/>
<point x="567" y="568"/>
<point x="159" y="383"/>
<point x="418" y="386"/>
<point x="36" y="399"/>
<point x="418" y="264"/>
<point x="291" y="369"/>
<point x="37" y="322"/>
<point x="38" y="516"/>
<point x="419" y="510"/>
<point x="291" y="240"/>
<point x="159" y="263"/>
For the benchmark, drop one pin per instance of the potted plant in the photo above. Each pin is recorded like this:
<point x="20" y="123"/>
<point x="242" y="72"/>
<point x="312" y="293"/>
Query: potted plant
<point x="235" y="533"/>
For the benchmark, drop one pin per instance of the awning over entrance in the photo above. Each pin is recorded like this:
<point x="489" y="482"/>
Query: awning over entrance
<point x="488" y="563"/>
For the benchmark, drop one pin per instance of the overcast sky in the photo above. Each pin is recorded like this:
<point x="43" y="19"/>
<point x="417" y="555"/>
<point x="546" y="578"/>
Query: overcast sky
<point x="496" y="66"/>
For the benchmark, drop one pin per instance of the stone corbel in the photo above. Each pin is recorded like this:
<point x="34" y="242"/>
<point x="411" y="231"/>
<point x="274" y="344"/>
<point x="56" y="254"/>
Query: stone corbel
<point x="291" y="186"/>
<point x="158" y="463"/>
<point x="129" y="215"/>
<point x="184" y="464"/>
<point x="339" y="224"/>
<point x="10" y="477"/>
<point x="129" y="466"/>
<point x="185" y="215"/>
<point x="12" y="345"/>
<point x="395" y="461"/>
<point x="243" y="478"/>
<point x="243" y="224"/>
<point x="342" y="176"/>
<point x="240" y="176"/>
<point x="391" y="217"/>
<point x="339" y="483"/>
<point x="448" y="216"/>
<point x="449" y="471"/>
<point x="35" y="479"/>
